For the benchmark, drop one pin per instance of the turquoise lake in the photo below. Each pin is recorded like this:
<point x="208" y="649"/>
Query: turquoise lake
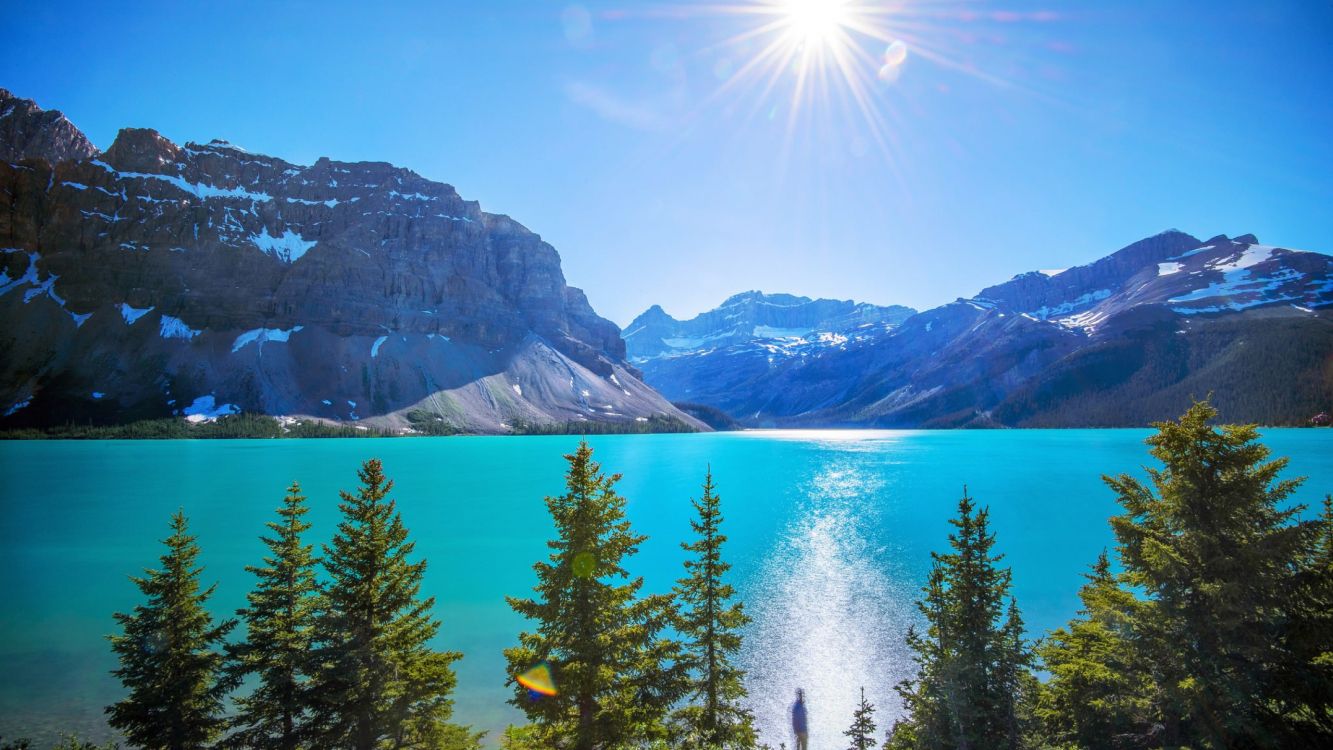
<point x="830" y="536"/>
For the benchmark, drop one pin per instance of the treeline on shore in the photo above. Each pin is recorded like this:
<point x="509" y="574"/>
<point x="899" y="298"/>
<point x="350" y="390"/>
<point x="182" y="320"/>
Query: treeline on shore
<point x="1210" y="625"/>
<point x="246" y="425"/>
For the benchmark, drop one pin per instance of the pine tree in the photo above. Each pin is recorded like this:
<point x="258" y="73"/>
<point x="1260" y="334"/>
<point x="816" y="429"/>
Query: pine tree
<point x="1100" y="693"/>
<point x="1226" y="566"/>
<point x="861" y="734"/>
<point x="379" y="684"/>
<point x="171" y="656"/>
<point x="615" y="674"/>
<point x="972" y="662"/>
<point x="279" y="636"/>
<point x="709" y="623"/>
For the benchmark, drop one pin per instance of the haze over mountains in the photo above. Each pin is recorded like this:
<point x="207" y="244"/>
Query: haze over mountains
<point x="153" y="279"/>
<point x="1126" y="340"/>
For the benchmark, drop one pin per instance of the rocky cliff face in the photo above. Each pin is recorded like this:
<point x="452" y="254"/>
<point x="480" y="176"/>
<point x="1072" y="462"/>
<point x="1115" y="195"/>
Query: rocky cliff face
<point x="28" y="132"/>
<point x="1126" y="340"/>
<point x="155" y="279"/>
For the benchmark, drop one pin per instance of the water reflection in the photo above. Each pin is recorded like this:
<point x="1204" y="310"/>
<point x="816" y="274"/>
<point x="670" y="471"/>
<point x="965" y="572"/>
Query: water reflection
<point x="828" y="613"/>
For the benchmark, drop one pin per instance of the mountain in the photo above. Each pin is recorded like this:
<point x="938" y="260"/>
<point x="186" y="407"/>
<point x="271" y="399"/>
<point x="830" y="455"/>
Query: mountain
<point x="704" y="359"/>
<point x="154" y="279"/>
<point x="1123" y="341"/>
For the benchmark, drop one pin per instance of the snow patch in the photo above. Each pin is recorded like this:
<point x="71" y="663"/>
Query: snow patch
<point x="769" y="332"/>
<point x="329" y="203"/>
<point x="1250" y="256"/>
<point x="1052" y="271"/>
<point x="518" y="389"/>
<point x="132" y="314"/>
<point x="197" y="189"/>
<point x="375" y="347"/>
<point x="286" y="247"/>
<point x="260" y="335"/>
<point x="1047" y="312"/>
<point x="1166" y="269"/>
<point x="20" y="405"/>
<point x="175" y="328"/>
<point x="98" y="395"/>
<point x="206" y="409"/>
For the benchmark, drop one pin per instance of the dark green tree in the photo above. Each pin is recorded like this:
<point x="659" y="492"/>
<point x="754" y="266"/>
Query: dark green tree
<point x="279" y="636"/>
<point x="1230" y="568"/>
<point x="616" y="675"/>
<point x="972" y="661"/>
<point x="378" y="683"/>
<point x="1101" y="692"/>
<point x="171" y="655"/>
<point x="709" y="623"/>
<point x="861" y="734"/>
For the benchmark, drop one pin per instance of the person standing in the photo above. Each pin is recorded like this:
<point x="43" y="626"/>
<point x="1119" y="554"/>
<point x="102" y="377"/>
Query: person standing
<point x="800" y="721"/>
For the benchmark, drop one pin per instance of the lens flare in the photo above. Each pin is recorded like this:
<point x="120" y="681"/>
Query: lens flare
<point x="538" y="679"/>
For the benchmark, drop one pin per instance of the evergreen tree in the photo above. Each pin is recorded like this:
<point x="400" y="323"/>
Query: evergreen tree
<point x="972" y="662"/>
<point x="861" y="734"/>
<point x="379" y="684"/>
<point x="709" y="623"/>
<point x="1230" y="572"/>
<point x="1100" y="693"/>
<point x="615" y="674"/>
<point x="279" y="636"/>
<point x="171" y="656"/>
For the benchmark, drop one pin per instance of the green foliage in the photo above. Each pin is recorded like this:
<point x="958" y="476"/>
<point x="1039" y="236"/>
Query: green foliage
<point x="67" y="742"/>
<point x="861" y="734"/>
<point x="654" y="424"/>
<point x="615" y="673"/>
<point x="279" y="636"/>
<point x="1237" y="600"/>
<point x="710" y="624"/>
<point x="174" y="428"/>
<point x="709" y="415"/>
<point x="170" y="656"/>
<point x="1100" y="691"/>
<point x="378" y="684"/>
<point x="972" y="661"/>
<point x="430" y="423"/>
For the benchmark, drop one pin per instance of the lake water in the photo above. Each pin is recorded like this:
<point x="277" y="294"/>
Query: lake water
<point x="830" y="535"/>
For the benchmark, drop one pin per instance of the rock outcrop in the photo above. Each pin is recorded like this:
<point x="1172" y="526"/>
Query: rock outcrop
<point x="28" y="132"/>
<point x="155" y="279"/>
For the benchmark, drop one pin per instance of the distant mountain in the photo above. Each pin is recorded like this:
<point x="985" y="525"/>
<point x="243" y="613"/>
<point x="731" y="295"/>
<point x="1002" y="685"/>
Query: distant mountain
<point x="1123" y="341"/>
<point x="154" y="279"/>
<point x="717" y="353"/>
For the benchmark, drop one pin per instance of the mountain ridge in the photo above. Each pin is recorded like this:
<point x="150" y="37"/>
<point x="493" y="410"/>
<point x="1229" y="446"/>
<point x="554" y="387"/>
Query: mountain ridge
<point x="158" y="275"/>
<point x="1122" y="341"/>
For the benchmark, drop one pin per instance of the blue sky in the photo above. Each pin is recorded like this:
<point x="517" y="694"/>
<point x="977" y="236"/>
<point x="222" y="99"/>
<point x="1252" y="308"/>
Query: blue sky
<point x="1016" y="136"/>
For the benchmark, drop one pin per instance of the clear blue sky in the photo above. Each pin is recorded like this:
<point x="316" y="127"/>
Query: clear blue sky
<point x="1018" y="135"/>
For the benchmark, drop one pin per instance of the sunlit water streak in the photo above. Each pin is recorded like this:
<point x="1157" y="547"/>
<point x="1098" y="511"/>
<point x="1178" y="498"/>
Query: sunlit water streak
<point x="828" y="614"/>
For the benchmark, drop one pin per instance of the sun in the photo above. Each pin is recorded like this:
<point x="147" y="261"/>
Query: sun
<point x="815" y="21"/>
